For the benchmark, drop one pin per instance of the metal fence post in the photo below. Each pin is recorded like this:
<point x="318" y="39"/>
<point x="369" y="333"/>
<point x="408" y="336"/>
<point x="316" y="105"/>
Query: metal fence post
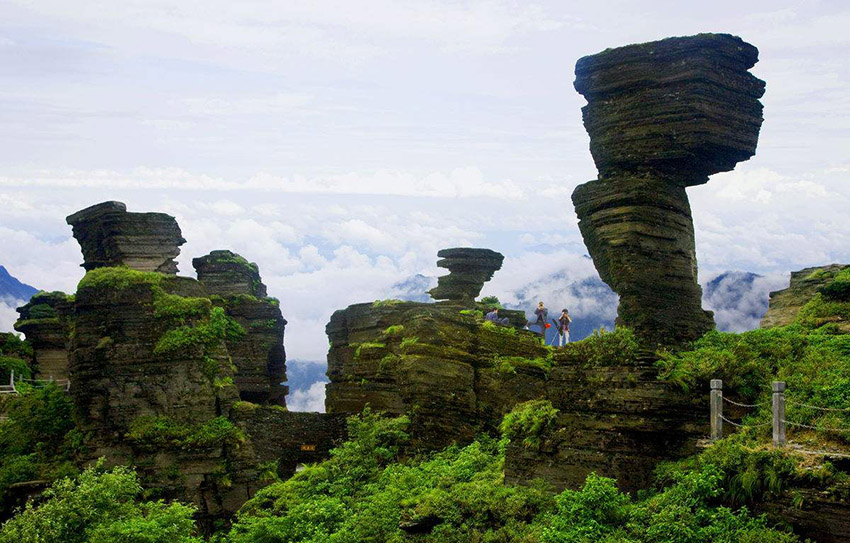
<point x="779" y="413"/>
<point x="716" y="409"/>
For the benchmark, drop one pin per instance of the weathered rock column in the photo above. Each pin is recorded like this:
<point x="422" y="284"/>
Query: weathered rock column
<point x="46" y="321"/>
<point x="259" y="355"/>
<point x="468" y="269"/>
<point x="662" y="116"/>
<point x="111" y="236"/>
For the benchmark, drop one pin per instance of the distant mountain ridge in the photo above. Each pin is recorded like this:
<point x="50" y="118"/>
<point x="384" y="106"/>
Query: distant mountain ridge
<point x="12" y="289"/>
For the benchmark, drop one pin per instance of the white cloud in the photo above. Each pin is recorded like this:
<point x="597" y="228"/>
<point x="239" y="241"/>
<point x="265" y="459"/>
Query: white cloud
<point x="311" y="399"/>
<point x="8" y="315"/>
<point x="468" y="182"/>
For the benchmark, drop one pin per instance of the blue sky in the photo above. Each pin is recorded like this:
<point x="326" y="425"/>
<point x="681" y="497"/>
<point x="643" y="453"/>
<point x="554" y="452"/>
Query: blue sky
<point x="341" y="144"/>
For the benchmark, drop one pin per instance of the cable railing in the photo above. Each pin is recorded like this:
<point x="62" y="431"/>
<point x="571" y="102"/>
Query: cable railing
<point x="12" y="388"/>
<point x="778" y="403"/>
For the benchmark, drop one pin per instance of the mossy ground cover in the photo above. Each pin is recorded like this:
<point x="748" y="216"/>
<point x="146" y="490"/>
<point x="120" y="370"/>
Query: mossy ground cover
<point x="155" y="432"/>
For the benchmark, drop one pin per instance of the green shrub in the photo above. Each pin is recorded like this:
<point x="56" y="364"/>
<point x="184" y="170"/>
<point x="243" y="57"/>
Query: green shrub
<point x="39" y="439"/>
<point x="153" y="432"/>
<point x="117" y="278"/>
<point x="839" y="288"/>
<point x="41" y="311"/>
<point x="529" y="421"/>
<point x="394" y="330"/>
<point x="100" y="507"/>
<point x="491" y="302"/>
<point x="602" y="348"/>
<point x="386" y="303"/>
<point x="207" y="333"/>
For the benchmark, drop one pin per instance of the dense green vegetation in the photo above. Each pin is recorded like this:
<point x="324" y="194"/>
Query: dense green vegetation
<point x="156" y="432"/>
<point x="369" y="491"/>
<point x="100" y="506"/>
<point x="812" y="356"/>
<point x="38" y="440"/>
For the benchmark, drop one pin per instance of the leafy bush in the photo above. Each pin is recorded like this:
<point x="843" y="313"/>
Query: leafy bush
<point x="839" y="288"/>
<point x="206" y="333"/>
<point x="39" y="439"/>
<point x="100" y="507"/>
<point x="529" y="421"/>
<point x="814" y="364"/>
<point x="154" y="432"/>
<point x="490" y="301"/>
<point x="117" y="278"/>
<point x="602" y="348"/>
<point x="366" y="492"/>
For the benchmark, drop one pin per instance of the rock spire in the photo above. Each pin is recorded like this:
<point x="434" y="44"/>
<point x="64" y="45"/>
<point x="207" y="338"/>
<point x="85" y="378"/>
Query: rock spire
<point x="661" y="116"/>
<point x="468" y="269"/>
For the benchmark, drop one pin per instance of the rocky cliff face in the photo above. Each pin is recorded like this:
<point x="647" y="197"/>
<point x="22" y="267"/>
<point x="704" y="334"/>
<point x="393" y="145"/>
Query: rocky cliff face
<point x="619" y="421"/>
<point x="439" y="363"/>
<point x="455" y="376"/>
<point x="158" y="364"/>
<point x="46" y="320"/>
<point x="661" y="116"/>
<point x="111" y="236"/>
<point x="785" y="304"/>
<point x="259" y="356"/>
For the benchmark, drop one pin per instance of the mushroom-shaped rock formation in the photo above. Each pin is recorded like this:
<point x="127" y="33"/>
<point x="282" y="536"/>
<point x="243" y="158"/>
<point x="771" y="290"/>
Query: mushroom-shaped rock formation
<point x="468" y="269"/>
<point x="109" y="235"/>
<point x="661" y="116"/>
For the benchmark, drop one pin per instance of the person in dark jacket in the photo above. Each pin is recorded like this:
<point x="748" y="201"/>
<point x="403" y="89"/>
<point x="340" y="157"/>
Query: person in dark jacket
<point x="563" y="325"/>
<point x="541" y="317"/>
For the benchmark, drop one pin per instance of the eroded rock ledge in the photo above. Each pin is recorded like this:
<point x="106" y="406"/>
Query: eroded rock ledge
<point x="661" y="116"/>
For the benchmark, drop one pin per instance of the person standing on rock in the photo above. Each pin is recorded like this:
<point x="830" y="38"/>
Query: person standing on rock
<point x="541" y="314"/>
<point x="563" y="324"/>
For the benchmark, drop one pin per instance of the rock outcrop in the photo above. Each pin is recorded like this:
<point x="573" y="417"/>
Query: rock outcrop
<point x="439" y="363"/>
<point x="619" y="421"/>
<point x="46" y="321"/>
<point x="785" y="304"/>
<point x="109" y="236"/>
<point x="661" y="116"/>
<point x="161" y="366"/>
<point x="259" y="356"/>
<point x="225" y="273"/>
<point x="468" y="269"/>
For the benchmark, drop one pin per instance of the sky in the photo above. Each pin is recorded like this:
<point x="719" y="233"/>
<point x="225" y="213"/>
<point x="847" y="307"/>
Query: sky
<point x="340" y="144"/>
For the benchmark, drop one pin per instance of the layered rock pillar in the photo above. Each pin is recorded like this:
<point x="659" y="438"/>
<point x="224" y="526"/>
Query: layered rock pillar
<point x="661" y="116"/>
<point x="109" y="235"/>
<point x="468" y="269"/>
<point x="259" y="355"/>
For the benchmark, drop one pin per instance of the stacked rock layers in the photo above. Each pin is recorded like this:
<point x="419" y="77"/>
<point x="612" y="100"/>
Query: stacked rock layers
<point x="661" y="116"/>
<point x="468" y="269"/>
<point x="111" y="236"/>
